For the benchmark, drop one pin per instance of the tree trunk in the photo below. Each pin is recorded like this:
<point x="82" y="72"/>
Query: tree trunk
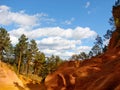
<point x="35" y="68"/>
<point x="19" y="63"/>
<point x="27" y="67"/>
<point x="1" y="55"/>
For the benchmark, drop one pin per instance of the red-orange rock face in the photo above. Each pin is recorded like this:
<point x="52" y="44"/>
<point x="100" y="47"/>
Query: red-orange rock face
<point x="98" y="73"/>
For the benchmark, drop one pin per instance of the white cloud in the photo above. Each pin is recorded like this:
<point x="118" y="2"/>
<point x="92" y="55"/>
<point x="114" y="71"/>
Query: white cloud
<point x="106" y="42"/>
<point x="20" y="18"/>
<point x="62" y="54"/>
<point x="66" y="53"/>
<point x="83" y="49"/>
<point x="87" y="4"/>
<point x="4" y="8"/>
<point x="49" y="51"/>
<point x="77" y="33"/>
<point x="81" y="33"/>
<point x="13" y="39"/>
<point x="58" y="43"/>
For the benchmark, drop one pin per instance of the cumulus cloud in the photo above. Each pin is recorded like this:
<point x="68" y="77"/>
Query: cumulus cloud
<point x="62" y="54"/>
<point x="58" y="43"/>
<point x="13" y="39"/>
<point x="22" y="19"/>
<point x="87" y="4"/>
<point x="7" y="17"/>
<point x="66" y="53"/>
<point x="106" y="42"/>
<point x="83" y="49"/>
<point x="76" y="33"/>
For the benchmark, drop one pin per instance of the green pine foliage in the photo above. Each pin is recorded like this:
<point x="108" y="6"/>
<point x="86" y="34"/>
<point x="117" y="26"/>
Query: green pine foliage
<point x="4" y="42"/>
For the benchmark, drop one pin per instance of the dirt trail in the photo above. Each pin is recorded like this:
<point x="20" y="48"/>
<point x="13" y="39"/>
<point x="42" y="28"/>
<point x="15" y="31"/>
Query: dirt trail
<point x="10" y="81"/>
<point x="8" y="78"/>
<point x="32" y="86"/>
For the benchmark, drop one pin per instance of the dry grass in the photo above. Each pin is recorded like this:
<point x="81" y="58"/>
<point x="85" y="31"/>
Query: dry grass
<point x="30" y="79"/>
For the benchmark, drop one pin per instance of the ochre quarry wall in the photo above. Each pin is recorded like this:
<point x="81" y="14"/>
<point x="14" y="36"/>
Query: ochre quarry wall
<point x="115" y="40"/>
<point x="98" y="73"/>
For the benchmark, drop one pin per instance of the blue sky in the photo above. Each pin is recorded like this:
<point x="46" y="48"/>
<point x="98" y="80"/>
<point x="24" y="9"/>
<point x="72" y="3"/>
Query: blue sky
<point x="60" y="27"/>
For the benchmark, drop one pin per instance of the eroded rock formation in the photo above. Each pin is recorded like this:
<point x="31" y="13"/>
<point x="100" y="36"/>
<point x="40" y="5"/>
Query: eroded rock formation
<point x="98" y="73"/>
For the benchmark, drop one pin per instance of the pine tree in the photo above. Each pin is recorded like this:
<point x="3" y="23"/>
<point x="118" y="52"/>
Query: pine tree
<point x="4" y="42"/>
<point x="96" y="50"/>
<point x="98" y="47"/>
<point x="108" y="34"/>
<point x="38" y="62"/>
<point x="21" y="49"/>
<point x="90" y="54"/>
<point x="10" y="54"/>
<point x="83" y="56"/>
<point x="31" y="54"/>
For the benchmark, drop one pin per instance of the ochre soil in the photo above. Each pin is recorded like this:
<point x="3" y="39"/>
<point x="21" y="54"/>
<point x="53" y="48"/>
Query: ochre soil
<point x="98" y="73"/>
<point x="10" y="81"/>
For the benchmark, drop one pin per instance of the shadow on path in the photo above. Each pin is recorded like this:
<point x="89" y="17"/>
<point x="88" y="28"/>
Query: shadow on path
<point x="18" y="86"/>
<point x="36" y="86"/>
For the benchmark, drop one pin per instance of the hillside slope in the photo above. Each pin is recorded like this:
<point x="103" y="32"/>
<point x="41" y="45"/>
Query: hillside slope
<point x="8" y="79"/>
<point x="99" y="73"/>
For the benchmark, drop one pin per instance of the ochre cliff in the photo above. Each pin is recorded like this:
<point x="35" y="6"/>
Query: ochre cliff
<point x="98" y="73"/>
<point x="115" y="40"/>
